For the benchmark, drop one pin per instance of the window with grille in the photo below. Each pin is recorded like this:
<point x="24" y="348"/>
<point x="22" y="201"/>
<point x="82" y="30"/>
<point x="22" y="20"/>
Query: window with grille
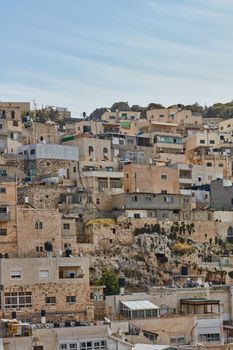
<point x="71" y="299"/>
<point x="50" y="300"/>
<point x="18" y="299"/>
<point x="3" y="231"/>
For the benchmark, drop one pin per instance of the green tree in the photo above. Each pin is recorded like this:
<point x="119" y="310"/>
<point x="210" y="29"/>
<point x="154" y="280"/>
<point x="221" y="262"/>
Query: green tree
<point x="110" y="280"/>
<point x="97" y="113"/>
<point x="120" y="106"/>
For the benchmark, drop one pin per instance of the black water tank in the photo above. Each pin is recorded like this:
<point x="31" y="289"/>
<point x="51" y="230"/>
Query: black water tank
<point x="184" y="270"/>
<point x="121" y="281"/>
<point x="48" y="247"/>
<point x="13" y="315"/>
<point x="42" y="313"/>
<point x="68" y="252"/>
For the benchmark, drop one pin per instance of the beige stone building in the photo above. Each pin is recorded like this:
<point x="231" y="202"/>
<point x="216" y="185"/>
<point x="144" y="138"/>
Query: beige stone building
<point x="8" y="217"/>
<point x="37" y="226"/>
<point x="60" y="286"/>
<point x="33" y="132"/>
<point x="120" y="116"/>
<point x="13" y="110"/>
<point x="150" y="178"/>
<point x="91" y="149"/>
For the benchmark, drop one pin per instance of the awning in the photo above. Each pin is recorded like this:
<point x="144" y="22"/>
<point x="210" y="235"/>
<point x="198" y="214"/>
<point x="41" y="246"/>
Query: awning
<point x="139" y="305"/>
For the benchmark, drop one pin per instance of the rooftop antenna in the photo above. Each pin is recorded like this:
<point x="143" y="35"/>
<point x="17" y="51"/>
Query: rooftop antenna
<point x="35" y="104"/>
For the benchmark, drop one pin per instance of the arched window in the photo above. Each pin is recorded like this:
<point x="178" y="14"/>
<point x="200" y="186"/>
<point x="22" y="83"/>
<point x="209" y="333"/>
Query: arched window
<point x="230" y="231"/>
<point x="209" y="164"/>
<point x="90" y="150"/>
<point x="6" y="255"/>
<point x="38" y="225"/>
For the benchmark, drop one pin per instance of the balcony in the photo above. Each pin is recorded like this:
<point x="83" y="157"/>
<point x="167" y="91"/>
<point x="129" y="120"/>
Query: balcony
<point x="70" y="272"/>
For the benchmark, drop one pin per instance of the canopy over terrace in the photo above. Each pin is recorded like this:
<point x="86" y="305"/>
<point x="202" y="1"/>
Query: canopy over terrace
<point x="199" y="306"/>
<point x="139" y="309"/>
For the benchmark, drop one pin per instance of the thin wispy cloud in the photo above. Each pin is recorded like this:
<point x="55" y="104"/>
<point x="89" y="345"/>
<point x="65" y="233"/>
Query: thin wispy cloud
<point x="84" y="54"/>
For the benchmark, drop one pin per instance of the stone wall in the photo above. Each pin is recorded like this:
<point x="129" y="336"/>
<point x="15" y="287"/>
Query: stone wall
<point x="33" y="237"/>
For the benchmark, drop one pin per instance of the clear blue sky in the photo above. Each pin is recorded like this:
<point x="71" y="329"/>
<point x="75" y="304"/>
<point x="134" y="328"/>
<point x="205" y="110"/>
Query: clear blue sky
<point x="90" y="53"/>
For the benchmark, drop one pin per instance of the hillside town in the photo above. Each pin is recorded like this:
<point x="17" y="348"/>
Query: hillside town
<point x="116" y="230"/>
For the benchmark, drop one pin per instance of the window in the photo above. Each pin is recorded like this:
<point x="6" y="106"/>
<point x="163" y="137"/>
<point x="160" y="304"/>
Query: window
<point x="177" y="340"/>
<point x="16" y="274"/>
<point x="105" y="150"/>
<point x="163" y="177"/>
<point x="212" y="142"/>
<point x="136" y="216"/>
<point x="148" y="199"/>
<point x="66" y="226"/>
<point x="38" y="347"/>
<point x="168" y="199"/>
<point x="50" y="300"/>
<point x="0" y="126"/>
<point x="151" y="336"/>
<point x="210" y="337"/>
<point x="90" y="150"/>
<point x="202" y="141"/>
<point x="3" y="210"/>
<point x="15" y="123"/>
<point x="163" y="191"/>
<point x="44" y="273"/>
<point x="3" y="231"/>
<point x="135" y="199"/>
<point x="2" y="172"/>
<point x="2" y="190"/>
<point x="74" y="169"/>
<point x="97" y="201"/>
<point x="86" y="346"/>
<point x="38" y="225"/>
<point x="93" y="345"/>
<point x="33" y="151"/>
<point x="12" y="114"/>
<point x="71" y="299"/>
<point x="73" y="346"/>
<point x="220" y="165"/>
<point x="18" y="299"/>
<point x="209" y="164"/>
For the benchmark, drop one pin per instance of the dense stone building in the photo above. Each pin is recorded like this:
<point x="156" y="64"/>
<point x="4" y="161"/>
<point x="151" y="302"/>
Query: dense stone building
<point x="60" y="286"/>
<point x="36" y="227"/>
<point x="150" y="178"/>
<point x="8" y="217"/>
